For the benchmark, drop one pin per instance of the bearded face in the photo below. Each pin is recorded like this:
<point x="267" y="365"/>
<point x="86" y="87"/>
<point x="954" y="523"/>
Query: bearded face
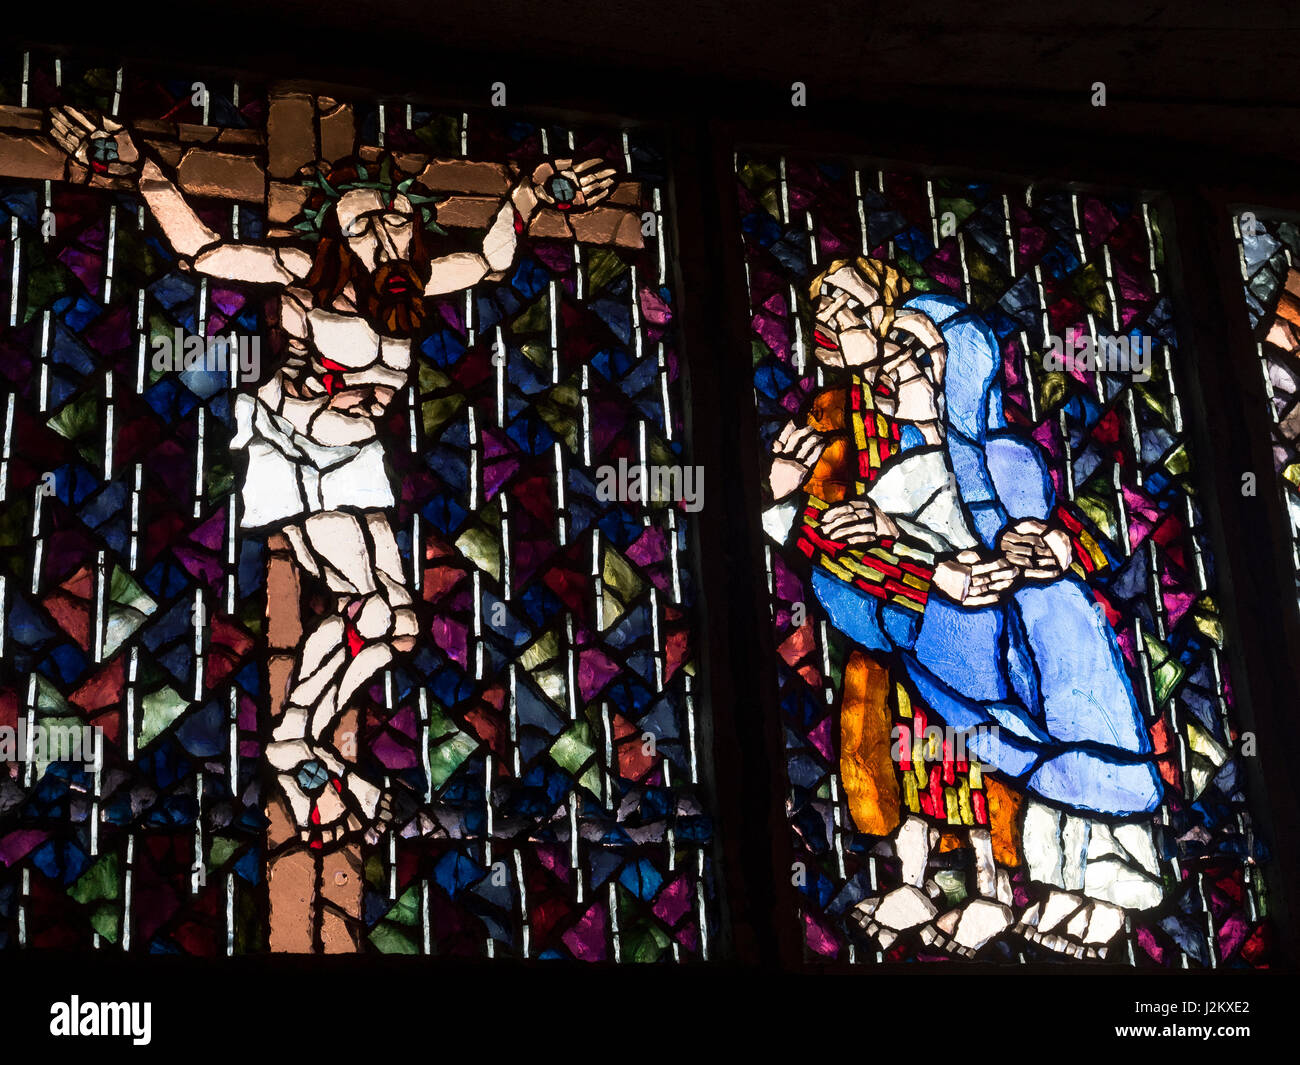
<point x="373" y="246"/>
<point x="394" y="298"/>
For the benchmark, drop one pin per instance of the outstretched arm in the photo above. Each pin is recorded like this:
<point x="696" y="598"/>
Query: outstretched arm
<point x="578" y="187"/>
<point x="106" y="146"/>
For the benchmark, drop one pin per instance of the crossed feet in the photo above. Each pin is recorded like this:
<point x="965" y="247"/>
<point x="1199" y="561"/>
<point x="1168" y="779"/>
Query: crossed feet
<point x="1067" y="924"/>
<point x="329" y="803"/>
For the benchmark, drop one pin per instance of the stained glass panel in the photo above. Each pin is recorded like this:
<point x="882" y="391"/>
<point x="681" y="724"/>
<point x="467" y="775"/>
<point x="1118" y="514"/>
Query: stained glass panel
<point x="1004" y="692"/>
<point x="1268" y="247"/>
<point x="318" y="527"/>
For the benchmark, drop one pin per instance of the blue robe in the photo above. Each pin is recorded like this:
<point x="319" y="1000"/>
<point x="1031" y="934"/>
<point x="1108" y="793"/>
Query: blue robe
<point x="1043" y="666"/>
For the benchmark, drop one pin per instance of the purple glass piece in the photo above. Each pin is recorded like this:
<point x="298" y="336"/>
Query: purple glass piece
<point x="673" y="902"/>
<point x="654" y="309"/>
<point x="595" y="670"/>
<point x="586" y="939"/>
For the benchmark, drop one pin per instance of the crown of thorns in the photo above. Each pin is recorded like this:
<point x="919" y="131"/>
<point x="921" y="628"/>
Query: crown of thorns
<point x="314" y="217"/>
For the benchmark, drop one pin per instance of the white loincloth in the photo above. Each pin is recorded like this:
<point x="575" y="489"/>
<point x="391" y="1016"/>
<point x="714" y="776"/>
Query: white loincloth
<point x="290" y="475"/>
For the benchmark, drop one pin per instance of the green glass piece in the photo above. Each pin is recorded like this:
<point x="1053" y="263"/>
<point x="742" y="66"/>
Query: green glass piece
<point x="553" y="683"/>
<point x="16" y="521"/>
<point x="535" y="319"/>
<point x="107" y="922"/>
<point x="76" y="419"/>
<point x="124" y="591"/>
<point x="603" y="266"/>
<point x="406" y="910"/>
<point x="1166" y="672"/>
<point x="953" y="885"/>
<point x="1264" y="284"/>
<point x="1205" y="615"/>
<point x="538" y="354"/>
<point x="50" y="702"/>
<point x="159" y="709"/>
<point x="1155" y="402"/>
<point x="1090" y="287"/>
<point x="541" y="650"/>
<point x="1053" y="388"/>
<point x="48" y="280"/>
<point x="960" y="206"/>
<point x="439" y="723"/>
<point x="431" y="379"/>
<point x="593" y="780"/>
<point x="1100" y="512"/>
<point x="448" y="756"/>
<point x="619" y="575"/>
<point x="389" y="939"/>
<point x="219" y="851"/>
<point x="645" y="943"/>
<point x="441" y="134"/>
<point x="481" y="547"/>
<point x="103" y="880"/>
<point x="1177" y="462"/>
<point x="435" y="412"/>
<point x="754" y="174"/>
<point x="250" y="928"/>
<point x="572" y="749"/>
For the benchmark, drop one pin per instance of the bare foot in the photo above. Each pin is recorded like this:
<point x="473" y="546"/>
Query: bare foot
<point x="885" y="918"/>
<point x="967" y="929"/>
<point x="1072" y="925"/>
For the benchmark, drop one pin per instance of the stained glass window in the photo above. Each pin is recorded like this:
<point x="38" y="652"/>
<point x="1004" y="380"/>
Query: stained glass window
<point x="1269" y="247"/>
<point x="1007" y="710"/>
<point x="345" y="515"/>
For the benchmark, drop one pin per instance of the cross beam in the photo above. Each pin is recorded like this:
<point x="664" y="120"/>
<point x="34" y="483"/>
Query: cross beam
<point x="303" y="129"/>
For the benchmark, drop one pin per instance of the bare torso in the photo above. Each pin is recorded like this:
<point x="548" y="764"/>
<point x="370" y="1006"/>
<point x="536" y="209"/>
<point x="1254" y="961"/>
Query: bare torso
<point x="340" y="374"/>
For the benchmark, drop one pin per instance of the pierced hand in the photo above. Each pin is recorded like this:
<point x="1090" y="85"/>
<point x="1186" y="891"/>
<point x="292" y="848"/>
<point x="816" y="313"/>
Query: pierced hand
<point x="971" y="582"/>
<point x="572" y="188"/>
<point x="859" y="522"/>
<point x="1040" y="553"/>
<point x="797" y="452"/>
<point x="95" y="141"/>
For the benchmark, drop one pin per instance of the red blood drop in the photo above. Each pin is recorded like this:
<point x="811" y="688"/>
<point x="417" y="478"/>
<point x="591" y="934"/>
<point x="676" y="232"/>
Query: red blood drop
<point x="355" y="642"/>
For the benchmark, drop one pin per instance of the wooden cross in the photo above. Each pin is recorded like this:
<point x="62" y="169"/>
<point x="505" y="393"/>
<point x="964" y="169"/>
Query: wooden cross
<point x="315" y="896"/>
<point x="303" y="129"/>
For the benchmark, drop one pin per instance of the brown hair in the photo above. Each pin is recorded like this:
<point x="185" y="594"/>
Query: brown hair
<point x="335" y="265"/>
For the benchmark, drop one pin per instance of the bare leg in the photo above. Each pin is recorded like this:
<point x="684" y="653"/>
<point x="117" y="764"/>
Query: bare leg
<point x="357" y="557"/>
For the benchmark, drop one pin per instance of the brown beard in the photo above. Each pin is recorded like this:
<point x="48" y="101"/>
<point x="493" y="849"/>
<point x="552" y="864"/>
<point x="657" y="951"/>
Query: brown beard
<point x="392" y="314"/>
<point x="398" y="315"/>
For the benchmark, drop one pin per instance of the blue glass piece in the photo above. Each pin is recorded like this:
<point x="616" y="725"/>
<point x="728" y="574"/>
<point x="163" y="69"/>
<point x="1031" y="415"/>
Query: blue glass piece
<point x="641" y="878"/>
<point x="444" y="348"/>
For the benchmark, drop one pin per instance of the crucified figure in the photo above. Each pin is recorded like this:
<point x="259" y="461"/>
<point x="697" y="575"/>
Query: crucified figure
<point x="351" y="310"/>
